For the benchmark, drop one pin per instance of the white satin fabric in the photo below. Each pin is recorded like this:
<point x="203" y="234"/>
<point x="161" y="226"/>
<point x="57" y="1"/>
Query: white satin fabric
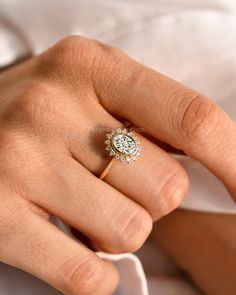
<point x="193" y="41"/>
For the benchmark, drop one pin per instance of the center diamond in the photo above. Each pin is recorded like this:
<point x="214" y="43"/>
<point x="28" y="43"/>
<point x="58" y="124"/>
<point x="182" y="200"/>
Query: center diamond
<point x="124" y="144"/>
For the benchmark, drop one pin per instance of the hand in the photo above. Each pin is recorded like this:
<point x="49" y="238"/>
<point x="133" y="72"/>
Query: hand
<point x="204" y="247"/>
<point x="52" y="111"/>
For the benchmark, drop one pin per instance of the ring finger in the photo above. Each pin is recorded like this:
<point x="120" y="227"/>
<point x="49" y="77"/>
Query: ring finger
<point x="156" y="181"/>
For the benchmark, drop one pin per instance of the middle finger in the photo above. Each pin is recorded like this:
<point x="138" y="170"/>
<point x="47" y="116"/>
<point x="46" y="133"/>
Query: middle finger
<point x="107" y="217"/>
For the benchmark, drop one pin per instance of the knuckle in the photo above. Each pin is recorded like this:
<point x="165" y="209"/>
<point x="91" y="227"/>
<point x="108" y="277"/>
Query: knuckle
<point x="136" y="230"/>
<point x="83" y="277"/>
<point x="112" y="53"/>
<point x="100" y="66"/>
<point x="33" y="103"/>
<point x="71" y="51"/>
<point x="62" y="61"/>
<point x="199" y="118"/>
<point x="175" y="190"/>
<point x="111" y="67"/>
<point x="171" y="193"/>
<point x="74" y="45"/>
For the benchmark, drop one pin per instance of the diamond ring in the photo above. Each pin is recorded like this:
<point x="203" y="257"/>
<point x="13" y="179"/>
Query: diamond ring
<point x="123" y="146"/>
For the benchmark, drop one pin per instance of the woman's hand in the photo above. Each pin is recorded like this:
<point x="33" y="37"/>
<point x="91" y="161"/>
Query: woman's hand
<point x="204" y="247"/>
<point x="54" y="112"/>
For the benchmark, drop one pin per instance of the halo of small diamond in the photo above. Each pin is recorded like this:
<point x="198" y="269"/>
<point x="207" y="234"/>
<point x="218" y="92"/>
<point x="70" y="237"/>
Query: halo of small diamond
<point x="123" y="145"/>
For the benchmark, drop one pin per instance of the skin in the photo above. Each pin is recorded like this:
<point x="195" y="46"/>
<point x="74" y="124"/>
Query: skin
<point x="204" y="247"/>
<point x="54" y="113"/>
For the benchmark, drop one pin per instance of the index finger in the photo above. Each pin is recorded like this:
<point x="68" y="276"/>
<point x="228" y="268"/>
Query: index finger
<point x="171" y="112"/>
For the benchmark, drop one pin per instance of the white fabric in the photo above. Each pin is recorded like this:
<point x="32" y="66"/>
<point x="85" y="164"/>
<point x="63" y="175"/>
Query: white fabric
<point x="129" y="266"/>
<point x="131" y="273"/>
<point x="193" y="41"/>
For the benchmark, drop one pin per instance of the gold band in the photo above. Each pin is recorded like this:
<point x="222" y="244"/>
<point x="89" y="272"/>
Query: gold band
<point x="107" y="169"/>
